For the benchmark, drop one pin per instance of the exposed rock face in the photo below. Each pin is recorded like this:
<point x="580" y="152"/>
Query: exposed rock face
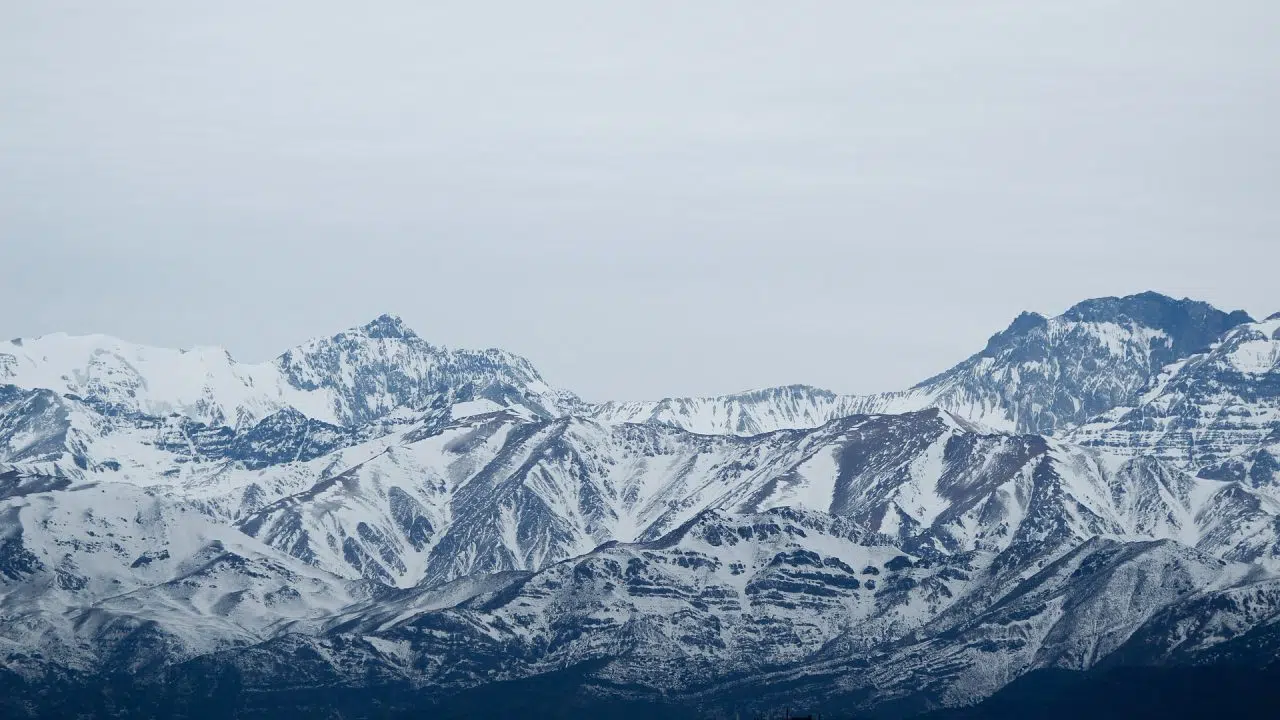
<point x="1203" y="410"/>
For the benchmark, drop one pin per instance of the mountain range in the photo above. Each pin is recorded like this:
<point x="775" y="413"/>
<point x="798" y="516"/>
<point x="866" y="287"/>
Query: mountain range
<point x="371" y="525"/>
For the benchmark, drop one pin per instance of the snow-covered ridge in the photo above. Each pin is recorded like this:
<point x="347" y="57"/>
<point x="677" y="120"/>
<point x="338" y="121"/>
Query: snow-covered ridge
<point x="497" y="492"/>
<point x="349" y="379"/>
<point x="155" y="416"/>
<point x="1040" y="374"/>
<point x="203" y="383"/>
<point x="745" y="414"/>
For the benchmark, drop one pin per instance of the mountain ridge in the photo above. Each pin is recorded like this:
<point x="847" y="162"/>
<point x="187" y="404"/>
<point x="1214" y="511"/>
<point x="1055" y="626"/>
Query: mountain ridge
<point x="1061" y="355"/>
<point x="452" y="521"/>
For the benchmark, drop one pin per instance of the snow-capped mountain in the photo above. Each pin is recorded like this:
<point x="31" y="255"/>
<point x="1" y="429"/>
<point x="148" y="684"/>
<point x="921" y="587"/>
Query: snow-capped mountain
<point x="1038" y="375"/>
<point x="383" y="366"/>
<point x="350" y="379"/>
<point x="371" y="513"/>
<point x="1045" y="374"/>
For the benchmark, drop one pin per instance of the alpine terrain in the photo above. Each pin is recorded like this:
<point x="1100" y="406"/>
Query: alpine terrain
<point x="371" y="525"/>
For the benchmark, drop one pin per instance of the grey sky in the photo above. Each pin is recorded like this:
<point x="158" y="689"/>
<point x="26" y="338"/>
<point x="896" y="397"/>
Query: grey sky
<point x="646" y="199"/>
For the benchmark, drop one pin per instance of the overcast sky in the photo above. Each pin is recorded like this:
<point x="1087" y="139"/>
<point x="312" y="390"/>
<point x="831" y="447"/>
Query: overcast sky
<point x="645" y="198"/>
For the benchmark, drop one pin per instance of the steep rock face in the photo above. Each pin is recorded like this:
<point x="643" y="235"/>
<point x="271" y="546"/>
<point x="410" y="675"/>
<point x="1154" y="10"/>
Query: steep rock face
<point x="286" y="436"/>
<point x="1258" y="467"/>
<point x="1189" y="325"/>
<point x="35" y="427"/>
<point x="1204" y="409"/>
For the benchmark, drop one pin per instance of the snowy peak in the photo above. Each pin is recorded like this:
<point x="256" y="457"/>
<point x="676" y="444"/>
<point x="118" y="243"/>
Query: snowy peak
<point x="350" y="379"/>
<point x="1179" y="327"/>
<point x="1023" y="325"/>
<point x="387" y="326"/>
<point x="367" y="372"/>
<point x="1047" y="374"/>
<point x="1190" y="325"/>
<point x="1040" y="374"/>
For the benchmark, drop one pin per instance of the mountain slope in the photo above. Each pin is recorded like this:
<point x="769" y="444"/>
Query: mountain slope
<point x="371" y="513"/>
<point x="754" y="613"/>
<point x="1206" y="408"/>
<point x="496" y="493"/>
<point x="97" y="571"/>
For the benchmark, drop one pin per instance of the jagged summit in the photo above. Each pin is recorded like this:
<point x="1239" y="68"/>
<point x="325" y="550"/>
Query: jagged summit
<point x="1191" y="325"/>
<point x="387" y="325"/>
<point x="349" y="379"/>
<point x="1025" y="323"/>
<point x="1043" y="374"/>
<point x="384" y="366"/>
